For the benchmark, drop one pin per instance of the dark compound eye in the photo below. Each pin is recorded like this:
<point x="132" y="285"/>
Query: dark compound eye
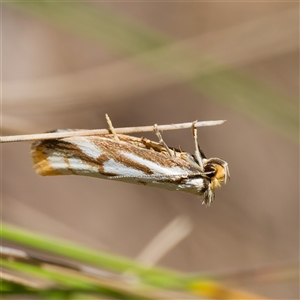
<point x="211" y="172"/>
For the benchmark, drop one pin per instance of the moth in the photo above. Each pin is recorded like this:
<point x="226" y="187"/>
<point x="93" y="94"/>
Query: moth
<point x="133" y="160"/>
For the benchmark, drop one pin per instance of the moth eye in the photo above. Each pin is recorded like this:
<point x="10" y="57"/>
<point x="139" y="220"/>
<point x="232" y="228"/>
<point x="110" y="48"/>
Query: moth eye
<point x="210" y="170"/>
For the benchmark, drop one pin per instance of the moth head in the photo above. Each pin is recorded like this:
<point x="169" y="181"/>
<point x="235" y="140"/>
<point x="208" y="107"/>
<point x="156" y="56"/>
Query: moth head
<point x="217" y="170"/>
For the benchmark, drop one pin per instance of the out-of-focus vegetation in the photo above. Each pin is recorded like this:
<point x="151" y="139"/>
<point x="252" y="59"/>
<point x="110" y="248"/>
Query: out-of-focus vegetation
<point x="104" y="275"/>
<point x="179" y="61"/>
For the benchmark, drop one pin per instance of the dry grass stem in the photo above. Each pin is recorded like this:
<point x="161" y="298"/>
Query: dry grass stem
<point x="124" y="130"/>
<point x="171" y="235"/>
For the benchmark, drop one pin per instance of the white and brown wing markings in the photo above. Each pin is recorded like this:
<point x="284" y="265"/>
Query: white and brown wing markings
<point x="130" y="159"/>
<point x="107" y="157"/>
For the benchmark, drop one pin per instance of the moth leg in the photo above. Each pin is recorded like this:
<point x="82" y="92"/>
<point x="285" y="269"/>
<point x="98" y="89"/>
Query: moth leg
<point x="198" y="152"/>
<point x="161" y="141"/>
<point x="111" y="128"/>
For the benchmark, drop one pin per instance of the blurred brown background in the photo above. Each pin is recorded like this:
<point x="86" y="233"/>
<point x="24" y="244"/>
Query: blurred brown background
<point x="60" y="71"/>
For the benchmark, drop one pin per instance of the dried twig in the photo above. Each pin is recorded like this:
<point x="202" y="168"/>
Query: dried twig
<point x="125" y="130"/>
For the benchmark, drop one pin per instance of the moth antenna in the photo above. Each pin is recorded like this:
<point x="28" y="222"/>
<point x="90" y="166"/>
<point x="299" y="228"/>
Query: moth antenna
<point x="147" y="176"/>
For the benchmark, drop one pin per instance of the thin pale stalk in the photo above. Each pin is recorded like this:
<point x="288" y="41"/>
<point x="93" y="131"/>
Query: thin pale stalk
<point x="124" y="130"/>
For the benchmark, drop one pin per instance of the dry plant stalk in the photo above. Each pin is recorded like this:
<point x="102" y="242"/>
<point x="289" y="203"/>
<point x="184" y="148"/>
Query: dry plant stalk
<point x="89" y="132"/>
